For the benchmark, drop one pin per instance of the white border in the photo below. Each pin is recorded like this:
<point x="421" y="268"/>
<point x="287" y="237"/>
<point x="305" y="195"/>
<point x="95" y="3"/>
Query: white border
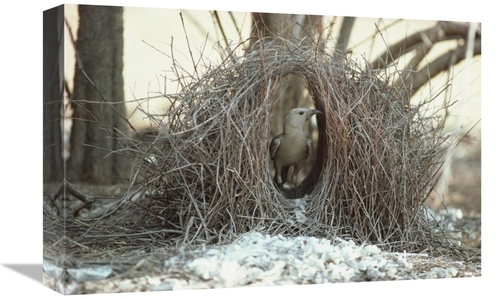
<point x="21" y="217"/>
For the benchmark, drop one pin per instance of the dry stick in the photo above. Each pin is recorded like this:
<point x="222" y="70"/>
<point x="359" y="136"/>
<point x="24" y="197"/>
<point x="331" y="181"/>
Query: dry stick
<point x="138" y="233"/>
<point x="189" y="45"/>
<point x="374" y="35"/>
<point x="221" y="28"/>
<point x="65" y="238"/>
<point x="64" y="187"/>
<point x="53" y="197"/>
<point x="238" y="28"/>
<point x="105" y="100"/>
<point x="136" y="266"/>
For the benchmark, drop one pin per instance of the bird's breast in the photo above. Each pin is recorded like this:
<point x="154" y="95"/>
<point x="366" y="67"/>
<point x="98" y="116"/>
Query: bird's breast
<point x="292" y="149"/>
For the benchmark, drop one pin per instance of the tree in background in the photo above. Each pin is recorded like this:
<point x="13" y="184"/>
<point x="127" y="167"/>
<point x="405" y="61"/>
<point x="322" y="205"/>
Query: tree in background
<point x="53" y="68"/>
<point x="97" y="98"/>
<point x="419" y="70"/>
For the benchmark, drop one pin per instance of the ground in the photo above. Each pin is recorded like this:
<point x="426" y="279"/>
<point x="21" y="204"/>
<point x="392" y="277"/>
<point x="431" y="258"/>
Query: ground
<point x="464" y="191"/>
<point x="464" y="195"/>
<point x="465" y="187"/>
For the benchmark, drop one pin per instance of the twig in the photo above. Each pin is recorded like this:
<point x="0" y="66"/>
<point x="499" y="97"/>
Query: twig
<point x="188" y="44"/>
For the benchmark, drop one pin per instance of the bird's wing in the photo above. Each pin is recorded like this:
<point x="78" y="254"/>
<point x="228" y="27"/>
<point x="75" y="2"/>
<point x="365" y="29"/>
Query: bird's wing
<point x="273" y="147"/>
<point x="309" y="147"/>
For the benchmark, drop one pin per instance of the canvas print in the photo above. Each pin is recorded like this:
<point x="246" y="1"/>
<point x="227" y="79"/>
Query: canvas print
<point x="189" y="149"/>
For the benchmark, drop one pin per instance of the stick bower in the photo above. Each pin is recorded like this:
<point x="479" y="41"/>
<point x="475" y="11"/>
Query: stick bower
<point x="207" y="174"/>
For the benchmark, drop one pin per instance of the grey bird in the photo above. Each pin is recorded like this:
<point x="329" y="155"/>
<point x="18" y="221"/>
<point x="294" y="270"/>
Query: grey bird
<point x="293" y="146"/>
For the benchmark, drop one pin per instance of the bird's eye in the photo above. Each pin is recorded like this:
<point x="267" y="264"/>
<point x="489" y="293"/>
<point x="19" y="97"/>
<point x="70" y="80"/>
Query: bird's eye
<point x="301" y="112"/>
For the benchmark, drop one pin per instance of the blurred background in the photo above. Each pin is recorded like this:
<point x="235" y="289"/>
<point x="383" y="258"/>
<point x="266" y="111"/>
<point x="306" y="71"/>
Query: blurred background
<point x="150" y="33"/>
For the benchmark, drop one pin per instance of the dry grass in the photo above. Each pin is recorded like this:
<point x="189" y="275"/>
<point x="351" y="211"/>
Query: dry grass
<point x="206" y="176"/>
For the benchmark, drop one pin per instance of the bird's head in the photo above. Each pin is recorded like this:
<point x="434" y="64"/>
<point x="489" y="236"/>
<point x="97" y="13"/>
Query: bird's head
<point x="297" y="117"/>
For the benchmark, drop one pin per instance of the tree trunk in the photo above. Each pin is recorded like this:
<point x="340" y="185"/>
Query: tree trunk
<point x="97" y="98"/>
<point x="344" y="37"/>
<point x="53" y="68"/>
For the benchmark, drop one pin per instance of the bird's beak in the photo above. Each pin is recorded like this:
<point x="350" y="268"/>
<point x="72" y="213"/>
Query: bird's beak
<point x="312" y="112"/>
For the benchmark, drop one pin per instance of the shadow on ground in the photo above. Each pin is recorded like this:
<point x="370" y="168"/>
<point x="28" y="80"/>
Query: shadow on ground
<point x="33" y="271"/>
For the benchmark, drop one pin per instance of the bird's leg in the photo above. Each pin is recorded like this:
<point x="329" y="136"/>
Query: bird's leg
<point x="277" y="177"/>
<point x="284" y="175"/>
<point x="296" y="169"/>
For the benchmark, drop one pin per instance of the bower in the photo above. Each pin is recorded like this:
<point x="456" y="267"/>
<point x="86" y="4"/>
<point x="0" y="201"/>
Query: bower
<point x="207" y="173"/>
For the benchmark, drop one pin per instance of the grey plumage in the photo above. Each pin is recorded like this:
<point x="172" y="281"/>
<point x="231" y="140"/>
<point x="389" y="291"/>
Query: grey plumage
<point x="293" y="146"/>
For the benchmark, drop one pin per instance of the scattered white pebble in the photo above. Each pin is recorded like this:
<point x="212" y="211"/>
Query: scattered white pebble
<point x="266" y="260"/>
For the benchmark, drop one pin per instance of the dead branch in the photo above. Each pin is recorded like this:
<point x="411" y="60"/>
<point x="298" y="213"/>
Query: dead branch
<point x="424" y="39"/>
<point x="444" y="62"/>
<point x="65" y="189"/>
